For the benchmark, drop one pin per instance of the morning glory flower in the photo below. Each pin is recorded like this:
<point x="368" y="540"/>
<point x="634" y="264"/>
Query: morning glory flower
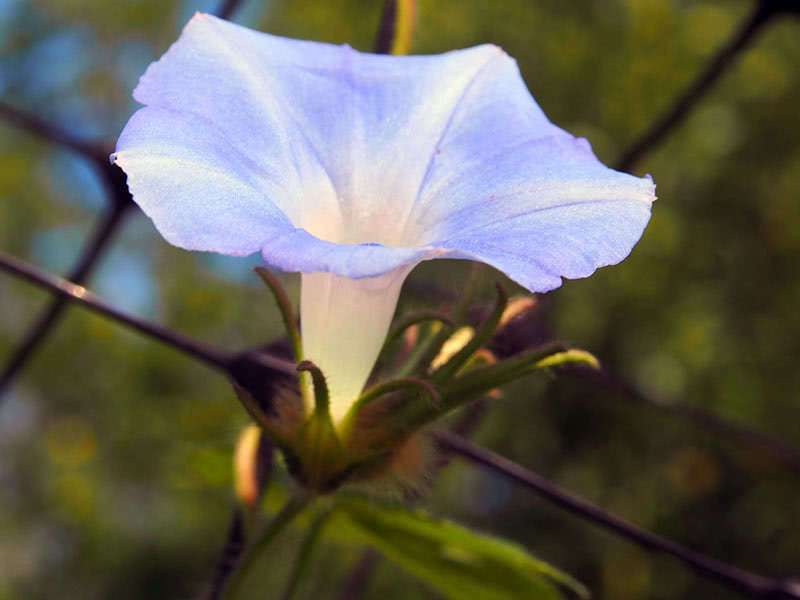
<point x="352" y="168"/>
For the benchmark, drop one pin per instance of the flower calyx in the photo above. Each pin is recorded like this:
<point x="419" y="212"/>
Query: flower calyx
<point x="446" y="367"/>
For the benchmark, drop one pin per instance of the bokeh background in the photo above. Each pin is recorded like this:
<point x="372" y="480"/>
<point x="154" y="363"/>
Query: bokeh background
<point x="115" y="452"/>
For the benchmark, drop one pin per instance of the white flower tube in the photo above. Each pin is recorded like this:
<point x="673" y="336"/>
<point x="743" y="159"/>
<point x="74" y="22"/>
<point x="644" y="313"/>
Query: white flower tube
<point x="344" y="322"/>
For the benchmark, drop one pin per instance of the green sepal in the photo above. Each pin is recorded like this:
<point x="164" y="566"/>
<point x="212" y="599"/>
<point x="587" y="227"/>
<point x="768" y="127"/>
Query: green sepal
<point x="394" y="385"/>
<point x="267" y="424"/>
<point x="461" y="389"/>
<point x="570" y="357"/>
<point x="424" y="352"/>
<point x="322" y="402"/>
<point x="289" y="322"/>
<point x="422" y="356"/>
<point x="285" y="308"/>
<point x="482" y="335"/>
<point x="321" y="456"/>
<point x="478" y="381"/>
<point x="320" y="449"/>
<point x="413" y="319"/>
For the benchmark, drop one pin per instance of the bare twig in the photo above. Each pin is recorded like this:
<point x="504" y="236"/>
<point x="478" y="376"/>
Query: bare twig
<point x="229" y="556"/>
<point x="699" y="87"/>
<point x="530" y="330"/>
<point x="79" y="294"/>
<point x="121" y="201"/>
<point x="50" y="132"/>
<point x="739" y="579"/>
<point x="37" y="332"/>
<point x="250" y="368"/>
<point x="755" y="585"/>
<point x="776" y="448"/>
<point x="386" y="29"/>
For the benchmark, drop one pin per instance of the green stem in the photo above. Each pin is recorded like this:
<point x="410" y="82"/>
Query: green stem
<point x="290" y="510"/>
<point x="404" y="26"/>
<point x="304" y="557"/>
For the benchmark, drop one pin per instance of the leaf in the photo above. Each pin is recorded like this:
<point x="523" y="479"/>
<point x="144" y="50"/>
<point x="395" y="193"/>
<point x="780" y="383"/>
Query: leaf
<point x="456" y="561"/>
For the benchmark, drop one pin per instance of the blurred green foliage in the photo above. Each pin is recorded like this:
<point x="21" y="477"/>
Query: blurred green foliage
<point x="115" y="451"/>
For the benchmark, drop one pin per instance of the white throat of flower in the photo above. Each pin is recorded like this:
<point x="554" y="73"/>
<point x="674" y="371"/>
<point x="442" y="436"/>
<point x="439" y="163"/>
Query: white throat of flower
<point x="344" y="323"/>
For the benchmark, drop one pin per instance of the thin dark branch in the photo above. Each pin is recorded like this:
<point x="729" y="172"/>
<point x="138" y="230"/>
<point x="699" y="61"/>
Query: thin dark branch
<point x="227" y="8"/>
<point x="252" y="363"/>
<point x="44" y="322"/>
<point x="529" y="330"/>
<point x="229" y="556"/>
<point x="755" y="585"/>
<point x="80" y="295"/>
<point x="699" y="87"/>
<point x="114" y="180"/>
<point x="41" y="128"/>
<point x="753" y="438"/>
<point x="116" y="185"/>
<point x="386" y="29"/>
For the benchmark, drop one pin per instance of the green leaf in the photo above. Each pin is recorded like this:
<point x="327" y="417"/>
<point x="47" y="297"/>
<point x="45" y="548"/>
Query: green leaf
<point x="456" y="561"/>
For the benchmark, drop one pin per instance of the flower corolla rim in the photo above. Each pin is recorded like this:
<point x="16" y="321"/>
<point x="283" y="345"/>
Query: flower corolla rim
<point x="172" y="137"/>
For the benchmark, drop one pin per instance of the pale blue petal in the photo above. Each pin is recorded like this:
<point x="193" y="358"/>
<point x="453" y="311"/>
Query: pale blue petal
<point x="367" y="124"/>
<point x="538" y="248"/>
<point x="204" y="195"/>
<point x="529" y="199"/>
<point x="200" y="192"/>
